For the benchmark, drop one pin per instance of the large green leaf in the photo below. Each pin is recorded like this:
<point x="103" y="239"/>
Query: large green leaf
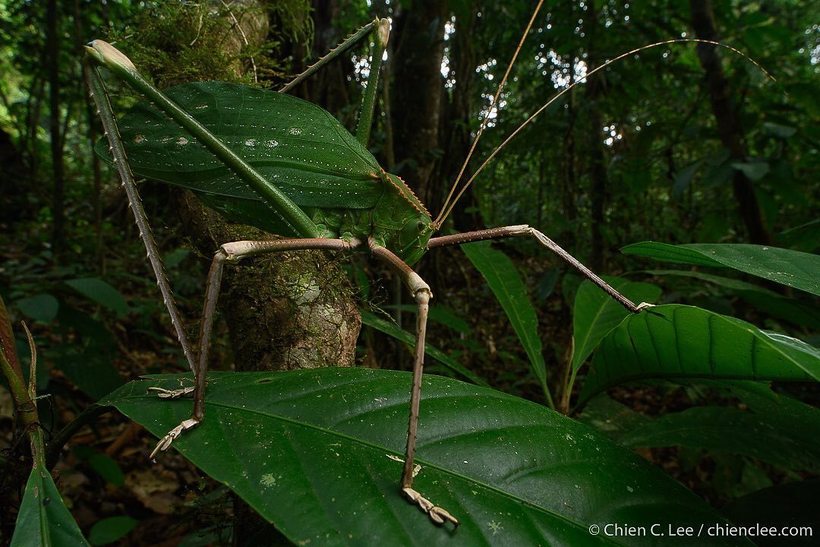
<point x="391" y="329"/>
<point x="315" y="451"/>
<point x="595" y="313"/>
<point x="675" y="341"/>
<point x="792" y="268"/>
<point x="503" y="279"/>
<point x="43" y="518"/>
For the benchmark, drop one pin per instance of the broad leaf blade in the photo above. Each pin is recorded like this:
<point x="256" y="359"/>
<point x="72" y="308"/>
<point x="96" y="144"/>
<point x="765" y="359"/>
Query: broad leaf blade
<point x="43" y="518"/>
<point x="503" y="279"/>
<point x="794" y="311"/>
<point x="792" y="268"/>
<point x="313" y="452"/>
<point x="684" y="342"/>
<point x="595" y="313"/>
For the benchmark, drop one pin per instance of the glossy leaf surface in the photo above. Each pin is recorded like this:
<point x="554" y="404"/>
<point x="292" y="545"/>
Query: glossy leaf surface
<point x="680" y="342"/>
<point x="296" y="145"/>
<point x="43" y="518"/>
<point x="315" y="452"/>
<point x="792" y="268"/>
<point x="595" y="313"/>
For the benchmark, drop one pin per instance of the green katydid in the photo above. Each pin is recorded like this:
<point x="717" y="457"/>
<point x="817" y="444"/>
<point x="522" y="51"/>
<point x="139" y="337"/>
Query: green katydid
<point x="289" y="178"/>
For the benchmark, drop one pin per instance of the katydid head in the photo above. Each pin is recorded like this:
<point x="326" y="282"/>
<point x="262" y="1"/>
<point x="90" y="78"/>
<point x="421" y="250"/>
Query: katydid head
<point x="410" y="242"/>
<point x="403" y="220"/>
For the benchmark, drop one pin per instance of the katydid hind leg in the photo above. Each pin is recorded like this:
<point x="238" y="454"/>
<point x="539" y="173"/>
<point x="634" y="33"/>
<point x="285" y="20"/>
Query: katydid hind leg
<point x="422" y="295"/>
<point x="200" y="372"/>
<point x="100" y="97"/>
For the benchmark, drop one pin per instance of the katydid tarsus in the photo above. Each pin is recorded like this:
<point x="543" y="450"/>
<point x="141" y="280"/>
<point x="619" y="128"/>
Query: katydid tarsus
<point x="296" y="171"/>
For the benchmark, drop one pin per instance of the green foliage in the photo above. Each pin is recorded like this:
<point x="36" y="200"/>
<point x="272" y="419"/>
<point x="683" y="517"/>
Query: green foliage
<point x="408" y="338"/>
<point x="791" y="268"/>
<point x="595" y="314"/>
<point x="668" y="178"/>
<point x="514" y="471"/>
<point x="43" y="518"/>
<point x="505" y="282"/>
<point x="685" y="342"/>
<point x="307" y="152"/>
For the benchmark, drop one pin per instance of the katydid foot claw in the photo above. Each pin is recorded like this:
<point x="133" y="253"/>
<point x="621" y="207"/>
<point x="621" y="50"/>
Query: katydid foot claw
<point x="437" y="514"/>
<point x="165" y="442"/>
<point x="643" y="306"/>
<point x="163" y="393"/>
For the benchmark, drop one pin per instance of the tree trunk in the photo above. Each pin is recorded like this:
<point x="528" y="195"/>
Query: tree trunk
<point x="418" y="88"/>
<point x="284" y="311"/>
<point x="58" y="192"/>
<point x="594" y="90"/>
<point x="728" y="122"/>
<point x="456" y="124"/>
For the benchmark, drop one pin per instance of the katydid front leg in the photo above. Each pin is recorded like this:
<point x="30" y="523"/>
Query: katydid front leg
<point x="523" y="230"/>
<point x="422" y="295"/>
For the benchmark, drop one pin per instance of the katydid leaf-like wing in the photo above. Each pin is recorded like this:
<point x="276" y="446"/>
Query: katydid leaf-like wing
<point x="296" y="145"/>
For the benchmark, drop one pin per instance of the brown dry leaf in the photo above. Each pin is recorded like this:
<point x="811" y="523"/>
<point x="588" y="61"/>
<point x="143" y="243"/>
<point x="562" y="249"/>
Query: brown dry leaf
<point x="155" y="488"/>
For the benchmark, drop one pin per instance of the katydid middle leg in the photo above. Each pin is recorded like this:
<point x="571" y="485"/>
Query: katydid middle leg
<point x="524" y="230"/>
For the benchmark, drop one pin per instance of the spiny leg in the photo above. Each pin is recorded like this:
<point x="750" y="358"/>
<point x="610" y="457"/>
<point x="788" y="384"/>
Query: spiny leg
<point x="332" y="54"/>
<point x="230" y="252"/>
<point x="101" y="101"/>
<point x="526" y="231"/>
<point x="422" y="295"/>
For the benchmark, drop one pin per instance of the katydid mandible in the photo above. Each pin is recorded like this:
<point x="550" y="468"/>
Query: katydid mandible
<point x="290" y="178"/>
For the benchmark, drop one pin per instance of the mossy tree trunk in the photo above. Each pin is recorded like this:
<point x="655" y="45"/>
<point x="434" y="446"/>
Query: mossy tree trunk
<point x="284" y="311"/>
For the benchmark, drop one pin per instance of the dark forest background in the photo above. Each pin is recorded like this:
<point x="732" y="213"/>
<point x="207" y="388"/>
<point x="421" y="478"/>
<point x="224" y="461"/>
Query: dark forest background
<point x="680" y="144"/>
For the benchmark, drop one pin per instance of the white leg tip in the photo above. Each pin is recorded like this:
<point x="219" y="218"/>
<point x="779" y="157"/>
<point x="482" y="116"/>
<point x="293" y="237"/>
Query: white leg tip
<point x="437" y="514"/>
<point x="165" y="442"/>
